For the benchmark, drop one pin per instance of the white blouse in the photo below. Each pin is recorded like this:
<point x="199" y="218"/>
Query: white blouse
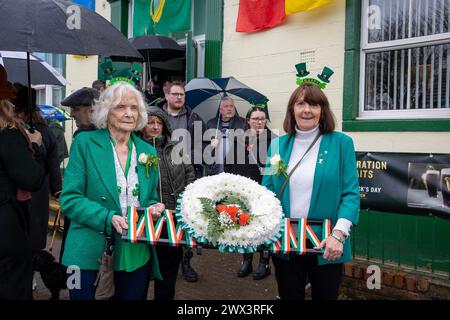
<point x="302" y="180"/>
<point x="128" y="187"/>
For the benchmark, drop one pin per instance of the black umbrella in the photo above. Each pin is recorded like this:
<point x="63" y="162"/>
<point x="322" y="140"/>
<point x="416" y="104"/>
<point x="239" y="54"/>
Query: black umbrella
<point x="58" y="26"/>
<point x="154" y="48"/>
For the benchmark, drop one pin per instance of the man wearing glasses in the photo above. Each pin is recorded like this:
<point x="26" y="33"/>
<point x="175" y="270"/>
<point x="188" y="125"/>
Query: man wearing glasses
<point x="181" y="117"/>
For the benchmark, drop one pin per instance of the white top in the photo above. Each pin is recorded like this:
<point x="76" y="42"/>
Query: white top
<point x="301" y="181"/>
<point x="128" y="187"/>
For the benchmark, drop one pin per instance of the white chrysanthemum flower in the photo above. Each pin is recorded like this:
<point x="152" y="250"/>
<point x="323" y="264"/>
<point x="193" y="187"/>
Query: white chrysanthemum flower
<point x="264" y="208"/>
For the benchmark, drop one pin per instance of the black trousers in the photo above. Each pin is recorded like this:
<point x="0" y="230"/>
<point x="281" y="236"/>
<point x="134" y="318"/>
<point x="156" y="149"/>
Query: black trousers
<point x="169" y="259"/>
<point x="291" y="277"/>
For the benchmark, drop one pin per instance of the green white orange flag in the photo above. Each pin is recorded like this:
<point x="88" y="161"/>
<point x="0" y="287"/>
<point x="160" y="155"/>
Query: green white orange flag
<point x="256" y="15"/>
<point x="161" y="16"/>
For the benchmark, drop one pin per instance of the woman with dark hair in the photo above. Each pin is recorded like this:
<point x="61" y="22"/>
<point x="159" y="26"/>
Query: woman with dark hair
<point x="52" y="183"/>
<point x="320" y="182"/>
<point x="21" y="171"/>
<point x="175" y="175"/>
<point x="250" y="159"/>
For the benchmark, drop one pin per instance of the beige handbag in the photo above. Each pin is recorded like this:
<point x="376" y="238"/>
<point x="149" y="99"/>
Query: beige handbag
<point x="104" y="283"/>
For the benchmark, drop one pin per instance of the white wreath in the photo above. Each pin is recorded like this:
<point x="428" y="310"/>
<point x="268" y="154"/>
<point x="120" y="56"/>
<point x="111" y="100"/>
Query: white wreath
<point x="264" y="227"/>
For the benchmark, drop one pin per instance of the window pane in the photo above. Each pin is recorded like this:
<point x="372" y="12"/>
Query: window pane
<point x="56" y="96"/>
<point x="403" y="19"/>
<point x="40" y="96"/>
<point x="417" y="78"/>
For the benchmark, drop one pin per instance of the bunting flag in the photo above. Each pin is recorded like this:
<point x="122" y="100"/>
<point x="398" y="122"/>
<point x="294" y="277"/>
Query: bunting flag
<point x="256" y="15"/>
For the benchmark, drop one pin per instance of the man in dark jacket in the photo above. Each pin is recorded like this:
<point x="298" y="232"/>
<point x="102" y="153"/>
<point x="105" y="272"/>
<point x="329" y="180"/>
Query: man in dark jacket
<point x="187" y="127"/>
<point x="227" y="119"/>
<point x="175" y="175"/>
<point x="80" y="103"/>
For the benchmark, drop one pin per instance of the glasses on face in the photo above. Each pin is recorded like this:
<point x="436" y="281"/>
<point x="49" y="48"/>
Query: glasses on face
<point x="262" y="120"/>
<point x="176" y="94"/>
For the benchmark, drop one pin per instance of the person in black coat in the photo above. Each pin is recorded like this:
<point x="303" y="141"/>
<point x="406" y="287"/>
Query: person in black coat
<point x="227" y="119"/>
<point x="40" y="205"/>
<point x="80" y="103"/>
<point x="248" y="160"/>
<point x="174" y="177"/>
<point x="21" y="171"/>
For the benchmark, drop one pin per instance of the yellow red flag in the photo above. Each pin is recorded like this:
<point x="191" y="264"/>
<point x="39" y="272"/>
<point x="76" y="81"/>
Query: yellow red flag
<point x="293" y="6"/>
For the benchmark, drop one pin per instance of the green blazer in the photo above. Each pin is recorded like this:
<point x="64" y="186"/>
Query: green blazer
<point x="335" y="191"/>
<point x="90" y="199"/>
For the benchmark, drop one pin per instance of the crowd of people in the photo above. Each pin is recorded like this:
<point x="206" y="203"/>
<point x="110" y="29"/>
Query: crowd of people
<point x="117" y="124"/>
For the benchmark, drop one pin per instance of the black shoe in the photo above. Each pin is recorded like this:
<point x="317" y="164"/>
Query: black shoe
<point x="188" y="272"/>
<point x="246" y="268"/>
<point x="262" y="271"/>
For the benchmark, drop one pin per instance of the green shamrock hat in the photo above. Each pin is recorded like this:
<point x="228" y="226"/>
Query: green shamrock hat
<point x="135" y="71"/>
<point x="326" y="74"/>
<point x="107" y="67"/>
<point x="301" y="70"/>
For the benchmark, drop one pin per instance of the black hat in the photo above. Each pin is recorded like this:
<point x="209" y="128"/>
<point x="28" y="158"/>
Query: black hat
<point x="82" y="97"/>
<point x="21" y="102"/>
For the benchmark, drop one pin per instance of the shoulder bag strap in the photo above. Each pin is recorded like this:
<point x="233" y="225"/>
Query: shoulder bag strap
<point x="296" y="166"/>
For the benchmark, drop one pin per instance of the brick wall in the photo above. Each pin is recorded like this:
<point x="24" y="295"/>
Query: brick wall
<point x="395" y="284"/>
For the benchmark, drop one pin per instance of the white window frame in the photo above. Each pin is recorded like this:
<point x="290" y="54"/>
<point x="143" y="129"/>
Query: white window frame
<point x="130" y="19"/>
<point x="200" y="41"/>
<point x="368" y="48"/>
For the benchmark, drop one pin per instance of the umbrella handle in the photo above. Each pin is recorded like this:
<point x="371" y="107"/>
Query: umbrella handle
<point x="29" y="93"/>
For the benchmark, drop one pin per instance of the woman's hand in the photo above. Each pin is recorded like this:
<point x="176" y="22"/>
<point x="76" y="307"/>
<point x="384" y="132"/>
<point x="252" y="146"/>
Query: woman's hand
<point x="35" y="137"/>
<point x="119" y="223"/>
<point x="156" y="210"/>
<point x="333" y="248"/>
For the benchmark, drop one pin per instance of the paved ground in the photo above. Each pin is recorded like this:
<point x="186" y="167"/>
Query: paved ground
<point x="217" y="280"/>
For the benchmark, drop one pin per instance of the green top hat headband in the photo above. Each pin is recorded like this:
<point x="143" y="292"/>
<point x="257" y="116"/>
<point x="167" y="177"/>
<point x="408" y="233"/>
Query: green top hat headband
<point x="116" y="80"/>
<point x="321" y="82"/>
<point x="135" y="71"/>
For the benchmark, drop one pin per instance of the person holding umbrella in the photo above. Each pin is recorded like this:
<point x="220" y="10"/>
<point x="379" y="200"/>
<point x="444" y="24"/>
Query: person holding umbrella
<point x="22" y="170"/>
<point x="226" y="119"/>
<point x="52" y="183"/>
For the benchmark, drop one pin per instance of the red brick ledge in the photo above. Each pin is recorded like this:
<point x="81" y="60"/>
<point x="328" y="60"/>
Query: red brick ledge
<point x="395" y="283"/>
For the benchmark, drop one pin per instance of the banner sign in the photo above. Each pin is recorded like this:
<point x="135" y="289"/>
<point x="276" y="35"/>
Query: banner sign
<point x="405" y="182"/>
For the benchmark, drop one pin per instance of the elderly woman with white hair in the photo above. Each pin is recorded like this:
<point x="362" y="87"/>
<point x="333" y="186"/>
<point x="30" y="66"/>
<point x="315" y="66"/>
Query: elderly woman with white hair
<point x="103" y="178"/>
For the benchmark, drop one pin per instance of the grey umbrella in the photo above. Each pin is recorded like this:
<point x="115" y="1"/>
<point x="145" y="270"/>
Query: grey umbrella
<point x="58" y="26"/>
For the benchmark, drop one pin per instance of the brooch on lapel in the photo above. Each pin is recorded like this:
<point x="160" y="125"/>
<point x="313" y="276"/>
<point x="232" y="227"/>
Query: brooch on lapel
<point x="148" y="161"/>
<point x="322" y="157"/>
<point x="278" y="165"/>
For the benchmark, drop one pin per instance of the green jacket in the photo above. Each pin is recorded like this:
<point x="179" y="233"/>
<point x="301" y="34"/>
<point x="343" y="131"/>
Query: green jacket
<point x="90" y="199"/>
<point x="335" y="191"/>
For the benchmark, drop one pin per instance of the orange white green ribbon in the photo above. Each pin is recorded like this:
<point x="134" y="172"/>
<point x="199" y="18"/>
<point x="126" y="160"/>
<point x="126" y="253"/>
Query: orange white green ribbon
<point x="171" y="230"/>
<point x="289" y="237"/>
